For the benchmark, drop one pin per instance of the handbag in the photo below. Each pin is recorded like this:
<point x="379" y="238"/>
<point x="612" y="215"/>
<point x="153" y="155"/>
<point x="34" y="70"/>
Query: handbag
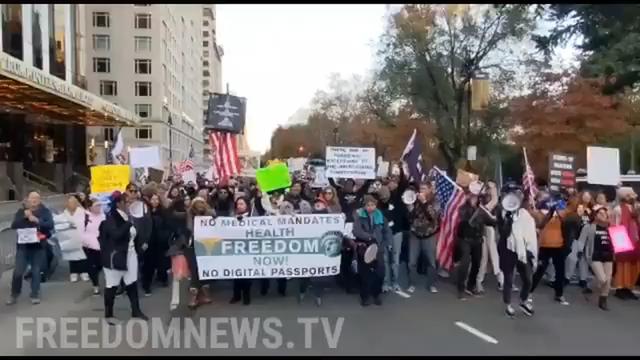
<point x="119" y="260"/>
<point x="179" y="267"/>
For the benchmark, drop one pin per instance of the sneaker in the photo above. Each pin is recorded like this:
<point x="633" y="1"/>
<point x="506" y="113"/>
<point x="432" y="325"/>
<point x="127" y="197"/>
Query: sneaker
<point x="85" y="277"/>
<point x="461" y="296"/>
<point x="433" y="289"/>
<point x="173" y="306"/>
<point x="480" y="288"/>
<point x="527" y="308"/>
<point x="147" y="293"/>
<point x="96" y="291"/>
<point x="73" y="278"/>
<point x="510" y="311"/>
<point x="35" y="301"/>
<point x="478" y="293"/>
<point x="411" y="289"/>
<point x="112" y="321"/>
<point x="468" y="292"/>
<point x="515" y="288"/>
<point x="11" y="301"/>
<point x="396" y="288"/>
<point x="386" y="288"/>
<point x="562" y="300"/>
<point x="500" y="287"/>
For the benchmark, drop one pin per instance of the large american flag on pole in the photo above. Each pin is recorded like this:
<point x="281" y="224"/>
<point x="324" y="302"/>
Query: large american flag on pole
<point x="224" y="147"/>
<point x="451" y="198"/>
<point x="529" y="179"/>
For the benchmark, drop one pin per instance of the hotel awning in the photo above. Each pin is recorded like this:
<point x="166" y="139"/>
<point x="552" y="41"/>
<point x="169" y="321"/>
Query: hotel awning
<point x="29" y="90"/>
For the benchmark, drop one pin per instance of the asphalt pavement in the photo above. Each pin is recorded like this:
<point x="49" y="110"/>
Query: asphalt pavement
<point x="422" y="324"/>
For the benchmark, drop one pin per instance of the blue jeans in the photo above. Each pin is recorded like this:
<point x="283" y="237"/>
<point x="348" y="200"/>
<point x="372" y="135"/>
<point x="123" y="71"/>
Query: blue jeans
<point x="28" y="255"/>
<point x="392" y="260"/>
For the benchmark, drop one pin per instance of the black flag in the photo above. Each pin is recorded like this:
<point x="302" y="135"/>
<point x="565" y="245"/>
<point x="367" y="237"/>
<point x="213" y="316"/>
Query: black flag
<point x="226" y="113"/>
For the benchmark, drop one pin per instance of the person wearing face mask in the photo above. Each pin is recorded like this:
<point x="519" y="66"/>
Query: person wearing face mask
<point x="119" y="250"/>
<point x="370" y="227"/>
<point x="599" y="253"/>
<point x="241" y="287"/>
<point x="627" y="264"/>
<point x="425" y="222"/>
<point x="34" y="225"/>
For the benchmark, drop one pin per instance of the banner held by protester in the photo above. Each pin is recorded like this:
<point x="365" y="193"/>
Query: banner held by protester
<point x="351" y="162"/>
<point x="268" y="246"/>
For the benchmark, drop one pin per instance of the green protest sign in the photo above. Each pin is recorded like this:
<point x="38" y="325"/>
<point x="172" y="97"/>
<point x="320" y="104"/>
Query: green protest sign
<point x="273" y="177"/>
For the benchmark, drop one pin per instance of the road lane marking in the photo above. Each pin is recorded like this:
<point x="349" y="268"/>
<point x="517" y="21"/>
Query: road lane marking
<point x="403" y="294"/>
<point x="476" y="332"/>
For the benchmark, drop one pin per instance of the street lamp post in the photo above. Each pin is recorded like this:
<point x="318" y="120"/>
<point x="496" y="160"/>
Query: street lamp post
<point x="106" y="152"/>
<point x="165" y="103"/>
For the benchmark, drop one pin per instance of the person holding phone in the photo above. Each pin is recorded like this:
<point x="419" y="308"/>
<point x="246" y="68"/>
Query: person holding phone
<point x="33" y="224"/>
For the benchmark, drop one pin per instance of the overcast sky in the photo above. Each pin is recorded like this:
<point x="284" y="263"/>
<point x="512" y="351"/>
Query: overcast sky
<point x="277" y="56"/>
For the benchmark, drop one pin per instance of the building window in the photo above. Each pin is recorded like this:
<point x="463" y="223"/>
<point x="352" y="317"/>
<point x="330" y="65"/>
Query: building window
<point x="142" y="66"/>
<point x="205" y="73"/>
<point x="206" y="53"/>
<point x="205" y="63"/>
<point x="205" y="23"/>
<point x="108" y="88"/>
<point x="205" y="44"/>
<point x="143" y="110"/>
<point x="205" y="34"/>
<point x="143" y="88"/>
<point x="143" y="21"/>
<point x="101" y="19"/>
<point x="101" y="65"/>
<point x="142" y="43"/>
<point x="109" y="134"/>
<point x="144" y="133"/>
<point x="101" y="42"/>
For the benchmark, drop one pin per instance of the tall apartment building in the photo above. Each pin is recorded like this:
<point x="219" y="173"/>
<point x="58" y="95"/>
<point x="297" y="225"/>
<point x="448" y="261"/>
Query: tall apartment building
<point x="147" y="58"/>
<point x="44" y="105"/>
<point x="211" y="66"/>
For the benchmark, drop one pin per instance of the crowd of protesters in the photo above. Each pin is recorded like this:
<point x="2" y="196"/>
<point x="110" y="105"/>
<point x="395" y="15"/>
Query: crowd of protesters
<point x="144" y="232"/>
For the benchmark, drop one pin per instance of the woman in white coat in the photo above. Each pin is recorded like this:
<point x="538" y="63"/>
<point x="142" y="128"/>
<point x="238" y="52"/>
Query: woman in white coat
<point x="70" y="227"/>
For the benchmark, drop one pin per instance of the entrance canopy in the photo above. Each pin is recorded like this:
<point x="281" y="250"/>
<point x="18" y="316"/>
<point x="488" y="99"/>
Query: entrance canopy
<point x="29" y="90"/>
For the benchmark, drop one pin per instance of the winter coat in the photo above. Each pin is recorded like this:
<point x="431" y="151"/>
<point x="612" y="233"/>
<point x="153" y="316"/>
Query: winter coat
<point x="92" y="230"/>
<point x="44" y="227"/>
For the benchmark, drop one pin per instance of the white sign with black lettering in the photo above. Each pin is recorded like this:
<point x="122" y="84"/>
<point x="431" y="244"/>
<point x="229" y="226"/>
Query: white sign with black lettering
<point x="351" y="162"/>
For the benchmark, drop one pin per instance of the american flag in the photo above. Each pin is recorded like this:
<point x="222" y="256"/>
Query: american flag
<point x="187" y="165"/>
<point x="412" y="157"/>
<point x="451" y="198"/>
<point x="528" y="179"/>
<point x="224" y="147"/>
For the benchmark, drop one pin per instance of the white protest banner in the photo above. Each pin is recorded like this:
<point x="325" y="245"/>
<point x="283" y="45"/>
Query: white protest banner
<point x="189" y="176"/>
<point x="320" y="179"/>
<point x="351" y="162"/>
<point x="143" y="157"/>
<point x="268" y="246"/>
<point x="383" y="169"/>
<point x="296" y="164"/>
<point x="603" y="165"/>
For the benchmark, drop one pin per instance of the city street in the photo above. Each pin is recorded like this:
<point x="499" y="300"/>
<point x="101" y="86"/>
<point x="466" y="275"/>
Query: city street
<point x="424" y="324"/>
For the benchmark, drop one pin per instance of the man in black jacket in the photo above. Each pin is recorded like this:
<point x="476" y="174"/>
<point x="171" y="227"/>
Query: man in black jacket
<point x="33" y="224"/>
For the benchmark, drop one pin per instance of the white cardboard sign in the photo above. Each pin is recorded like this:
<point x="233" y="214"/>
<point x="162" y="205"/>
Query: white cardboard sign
<point x="351" y="162"/>
<point x="143" y="157"/>
<point x="320" y="179"/>
<point x="603" y="165"/>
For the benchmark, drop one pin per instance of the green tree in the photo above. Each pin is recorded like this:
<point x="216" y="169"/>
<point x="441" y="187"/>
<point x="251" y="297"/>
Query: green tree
<point x="610" y="40"/>
<point x="430" y="54"/>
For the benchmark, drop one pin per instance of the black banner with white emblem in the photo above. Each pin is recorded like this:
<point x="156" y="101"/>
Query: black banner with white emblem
<point x="226" y="113"/>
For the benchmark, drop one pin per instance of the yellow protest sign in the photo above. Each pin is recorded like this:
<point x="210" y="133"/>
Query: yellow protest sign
<point x="109" y="178"/>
